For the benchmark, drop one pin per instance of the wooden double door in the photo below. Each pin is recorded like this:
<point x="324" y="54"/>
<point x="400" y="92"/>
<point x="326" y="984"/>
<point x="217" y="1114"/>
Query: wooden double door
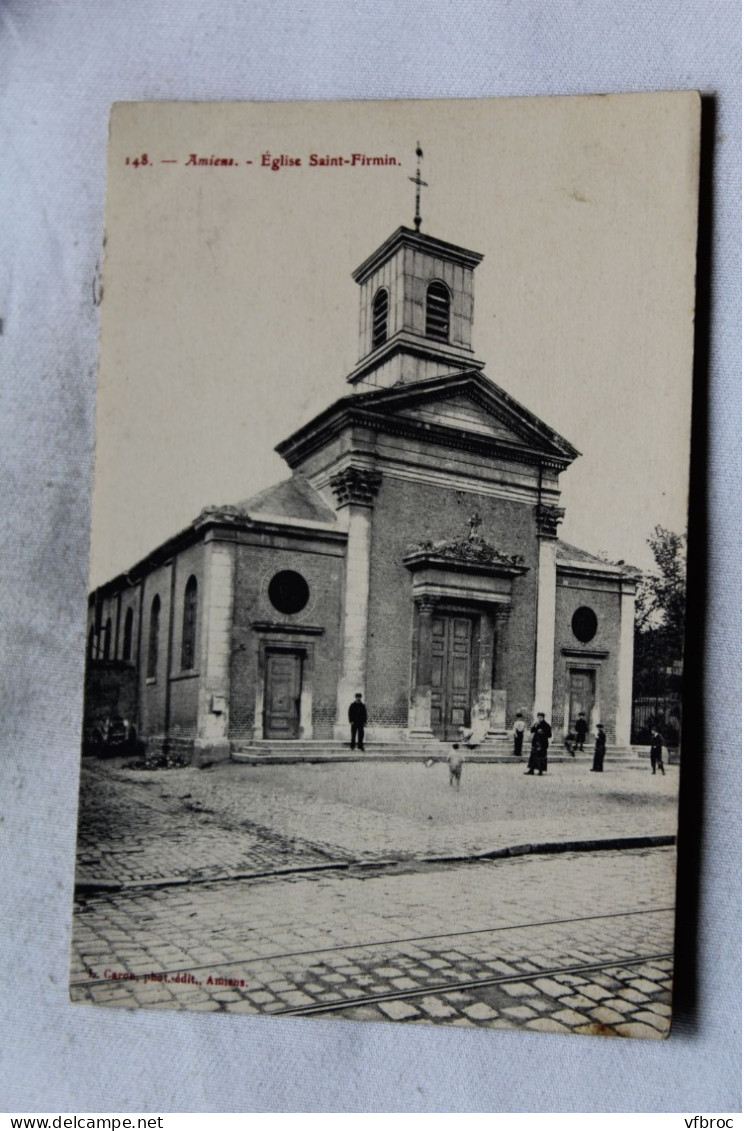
<point x="282" y="694"/>
<point x="452" y="639"/>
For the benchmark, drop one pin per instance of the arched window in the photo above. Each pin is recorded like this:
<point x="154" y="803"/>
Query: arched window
<point x="107" y="640"/>
<point x="152" y="649"/>
<point x="91" y="643"/>
<point x="188" y="636"/>
<point x="379" y="318"/>
<point x="126" y="653"/>
<point x="437" y="311"/>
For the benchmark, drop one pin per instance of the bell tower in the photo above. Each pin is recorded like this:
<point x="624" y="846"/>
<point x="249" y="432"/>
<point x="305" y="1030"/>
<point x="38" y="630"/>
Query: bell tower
<point x="415" y="307"/>
<point x="415" y="311"/>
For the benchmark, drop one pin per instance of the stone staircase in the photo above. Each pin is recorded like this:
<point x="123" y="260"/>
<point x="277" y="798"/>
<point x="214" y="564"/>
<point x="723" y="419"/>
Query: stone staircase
<point x="498" y="749"/>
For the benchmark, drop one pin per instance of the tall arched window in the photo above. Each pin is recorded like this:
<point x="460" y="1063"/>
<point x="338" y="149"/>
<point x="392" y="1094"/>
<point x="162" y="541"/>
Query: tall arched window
<point x="126" y="653"/>
<point x="152" y="649"/>
<point x="437" y="311"/>
<point x="107" y="640"/>
<point x="188" y="636"/>
<point x="379" y="318"/>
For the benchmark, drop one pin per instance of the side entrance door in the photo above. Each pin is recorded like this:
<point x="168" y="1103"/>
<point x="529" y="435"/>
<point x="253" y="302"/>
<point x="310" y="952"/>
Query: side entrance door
<point x="282" y="695"/>
<point x="582" y="696"/>
<point x="451" y="649"/>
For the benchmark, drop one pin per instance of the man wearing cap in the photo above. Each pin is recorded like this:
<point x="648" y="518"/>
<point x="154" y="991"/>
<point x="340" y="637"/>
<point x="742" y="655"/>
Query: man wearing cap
<point x="600" y="745"/>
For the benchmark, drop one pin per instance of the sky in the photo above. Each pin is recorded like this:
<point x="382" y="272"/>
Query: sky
<point x="229" y="316"/>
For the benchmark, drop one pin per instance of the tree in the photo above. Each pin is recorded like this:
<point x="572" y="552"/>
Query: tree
<point x="659" y="637"/>
<point x="660" y="599"/>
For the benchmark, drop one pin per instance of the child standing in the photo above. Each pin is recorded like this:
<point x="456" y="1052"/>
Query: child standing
<point x="455" y="762"/>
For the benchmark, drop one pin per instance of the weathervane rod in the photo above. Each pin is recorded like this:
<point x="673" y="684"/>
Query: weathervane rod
<point x="419" y="184"/>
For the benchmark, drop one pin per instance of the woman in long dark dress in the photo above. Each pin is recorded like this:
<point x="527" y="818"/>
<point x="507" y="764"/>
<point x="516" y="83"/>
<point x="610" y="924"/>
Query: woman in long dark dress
<point x="542" y="732"/>
<point x="600" y="745"/>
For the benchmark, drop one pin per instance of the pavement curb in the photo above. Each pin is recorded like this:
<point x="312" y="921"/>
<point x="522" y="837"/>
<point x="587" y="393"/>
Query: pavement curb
<point x="104" y="887"/>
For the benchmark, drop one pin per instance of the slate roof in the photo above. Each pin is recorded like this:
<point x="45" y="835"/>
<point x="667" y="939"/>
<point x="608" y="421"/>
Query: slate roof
<point x="566" y="552"/>
<point x="292" y="498"/>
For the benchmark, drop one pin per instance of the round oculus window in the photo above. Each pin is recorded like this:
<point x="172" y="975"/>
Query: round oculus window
<point x="584" y="624"/>
<point x="288" y="592"/>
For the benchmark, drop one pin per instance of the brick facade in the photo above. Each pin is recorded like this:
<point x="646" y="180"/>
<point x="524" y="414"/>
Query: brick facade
<point x="602" y="594"/>
<point x="407" y="512"/>
<point x="258" y="626"/>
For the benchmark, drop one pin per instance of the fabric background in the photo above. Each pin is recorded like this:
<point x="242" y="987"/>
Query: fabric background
<point x="62" y="63"/>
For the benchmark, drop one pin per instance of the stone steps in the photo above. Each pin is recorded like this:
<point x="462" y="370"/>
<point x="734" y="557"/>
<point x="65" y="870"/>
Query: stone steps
<point x="496" y="750"/>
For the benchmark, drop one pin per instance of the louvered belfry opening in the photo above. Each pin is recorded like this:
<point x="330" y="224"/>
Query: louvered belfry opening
<point x="437" y="311"/>
<point x="379" y="318"/>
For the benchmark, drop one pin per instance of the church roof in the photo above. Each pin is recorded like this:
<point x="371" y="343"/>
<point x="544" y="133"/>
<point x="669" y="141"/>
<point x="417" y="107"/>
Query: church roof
<point x="565" y="552"/>
<point x="292" y="498"/>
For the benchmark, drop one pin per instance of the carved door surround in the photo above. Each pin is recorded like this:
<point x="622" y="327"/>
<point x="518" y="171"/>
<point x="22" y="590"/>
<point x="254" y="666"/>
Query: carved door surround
<point x="465" y="580"/>
<point x="458" y="666"/>
<point x="284" y="675"/>
<point x="583" y="687"/>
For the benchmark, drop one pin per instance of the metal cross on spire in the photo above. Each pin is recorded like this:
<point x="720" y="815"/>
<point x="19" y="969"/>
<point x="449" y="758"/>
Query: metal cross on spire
<point x="419" y="185"/>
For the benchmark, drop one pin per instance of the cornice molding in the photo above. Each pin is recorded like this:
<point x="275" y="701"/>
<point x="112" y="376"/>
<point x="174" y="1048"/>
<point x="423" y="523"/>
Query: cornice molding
<point x="415" y="345"/>
<point x="283" y="628"/>
<point x="419" y="241"/>
<point x="585" y="654"/>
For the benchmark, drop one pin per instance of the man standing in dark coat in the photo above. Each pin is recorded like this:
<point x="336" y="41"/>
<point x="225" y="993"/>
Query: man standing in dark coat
<point x="542" y="732"/>
<point x="657" y="745"/>
<point x="580" y="727"/>
<point x="600" y="746"/>
<point x="358" y="720"/>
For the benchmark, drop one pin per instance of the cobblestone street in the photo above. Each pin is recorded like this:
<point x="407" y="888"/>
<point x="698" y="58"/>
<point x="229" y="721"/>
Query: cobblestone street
<point x="577" y="940"/>
<point x="140" y="826"/>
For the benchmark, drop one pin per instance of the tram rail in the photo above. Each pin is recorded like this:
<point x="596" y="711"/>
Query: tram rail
<point x="474" y="984"/>
<point x="242" y="962"/>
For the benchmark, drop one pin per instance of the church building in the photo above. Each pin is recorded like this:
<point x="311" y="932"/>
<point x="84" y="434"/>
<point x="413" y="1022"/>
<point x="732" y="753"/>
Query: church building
<point x="412" y="555"/>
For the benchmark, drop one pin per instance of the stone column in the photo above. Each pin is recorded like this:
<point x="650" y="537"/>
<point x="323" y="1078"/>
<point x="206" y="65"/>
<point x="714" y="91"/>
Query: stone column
<point x="547" y="518"/>
<point x="355" y="488"/>
<point x="498" y="691"/>
<point x="214" y="627"/>
<point x="420" y="717"/>
<point x="480" y="714"/>
<point x="625" y="662"/>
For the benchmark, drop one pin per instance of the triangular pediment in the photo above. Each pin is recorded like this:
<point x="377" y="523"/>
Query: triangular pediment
<point x="460" y="412"/>
<point x="469" y="403"/>
<point x="457" y="409"/>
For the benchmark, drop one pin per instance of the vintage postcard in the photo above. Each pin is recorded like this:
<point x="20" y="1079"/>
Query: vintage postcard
<point x="390" y="512"/>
